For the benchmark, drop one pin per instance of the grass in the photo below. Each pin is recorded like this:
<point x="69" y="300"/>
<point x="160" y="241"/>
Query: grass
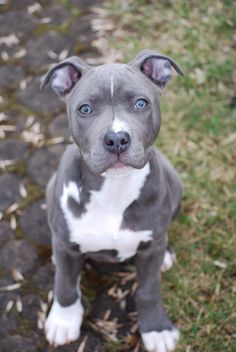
<point x="198" y="135"/>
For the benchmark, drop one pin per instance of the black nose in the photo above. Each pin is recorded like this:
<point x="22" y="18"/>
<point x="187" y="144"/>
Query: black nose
<point x="116" y="142"/>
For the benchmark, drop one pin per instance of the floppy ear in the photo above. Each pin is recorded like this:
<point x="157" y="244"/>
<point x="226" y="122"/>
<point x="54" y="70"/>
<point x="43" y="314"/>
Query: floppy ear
<point x="155" y="66"/>
<point x="65" y="75"/>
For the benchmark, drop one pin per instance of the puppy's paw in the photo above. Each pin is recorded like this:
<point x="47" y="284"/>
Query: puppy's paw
<point x="164" y="341"/>
<point x="63" y="323"/>
<point x="168" y="261"/>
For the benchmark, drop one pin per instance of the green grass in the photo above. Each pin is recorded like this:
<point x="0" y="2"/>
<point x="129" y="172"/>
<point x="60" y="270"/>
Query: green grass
<point x="198" y="119"/>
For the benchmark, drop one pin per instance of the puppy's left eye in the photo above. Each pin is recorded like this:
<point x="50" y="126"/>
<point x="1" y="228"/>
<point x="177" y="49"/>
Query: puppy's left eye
<point x="140" y="104"/>
<point x="85" y="109"/>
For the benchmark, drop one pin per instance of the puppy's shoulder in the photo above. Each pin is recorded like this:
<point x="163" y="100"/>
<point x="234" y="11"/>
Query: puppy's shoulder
<point x="69" y="168"/>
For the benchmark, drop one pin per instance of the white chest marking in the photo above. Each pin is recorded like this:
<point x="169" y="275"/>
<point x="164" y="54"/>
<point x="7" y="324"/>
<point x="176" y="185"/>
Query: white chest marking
<point x="98" y="228"/>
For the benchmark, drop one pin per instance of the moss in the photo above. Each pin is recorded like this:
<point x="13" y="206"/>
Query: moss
<point x="44" y="253"/>
<point x="25" y="327"/>
<point x="19" y="234"/>
<point x="45" y="28"/>
<point x="113" y="346"/>
<point x="18" y="168"/>
<point x="27" y="288"/>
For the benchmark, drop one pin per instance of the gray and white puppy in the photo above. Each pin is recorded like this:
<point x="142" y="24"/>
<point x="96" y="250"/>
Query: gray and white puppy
<point x="113" y="195"/>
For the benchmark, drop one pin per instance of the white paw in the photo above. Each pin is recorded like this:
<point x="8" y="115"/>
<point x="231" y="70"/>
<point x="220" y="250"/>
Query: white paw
<point x="63" y="323"/>
<point x="164" y="341"/>
<point x="168" y="261"/>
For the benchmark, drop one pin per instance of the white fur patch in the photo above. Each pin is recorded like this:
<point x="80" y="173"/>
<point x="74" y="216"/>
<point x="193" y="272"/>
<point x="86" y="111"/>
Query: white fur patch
<point x="168" y="261"/>
<point x="99" y="227"/>
<point x="120" y="126"/>
<point x="63" y="323"/>
<point x="112" y="86"/>
<point x="164" y="341"/>
<point x="71" y="190"/>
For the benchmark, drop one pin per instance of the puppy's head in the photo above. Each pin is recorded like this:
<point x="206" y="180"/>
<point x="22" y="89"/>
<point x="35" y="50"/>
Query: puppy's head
<point x="113" y="109"/>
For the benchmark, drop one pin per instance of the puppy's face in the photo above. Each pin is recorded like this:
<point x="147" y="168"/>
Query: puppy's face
<point x="114" y="110"/>
<point x="114" y="116"/>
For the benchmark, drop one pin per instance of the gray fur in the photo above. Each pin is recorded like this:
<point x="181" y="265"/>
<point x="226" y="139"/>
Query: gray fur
<point x="86" y="160"/>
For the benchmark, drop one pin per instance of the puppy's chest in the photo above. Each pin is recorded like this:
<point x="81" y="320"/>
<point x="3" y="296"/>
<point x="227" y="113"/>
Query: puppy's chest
<point x="99" y="227"/>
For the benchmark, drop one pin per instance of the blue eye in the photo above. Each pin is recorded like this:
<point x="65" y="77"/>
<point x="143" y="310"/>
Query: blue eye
<point x="85" y="109"/>
<point x="140" y="104"/>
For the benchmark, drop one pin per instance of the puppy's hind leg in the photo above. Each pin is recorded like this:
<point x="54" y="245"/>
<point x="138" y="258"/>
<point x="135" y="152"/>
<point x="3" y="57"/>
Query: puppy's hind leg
<point x="157" y="331"/>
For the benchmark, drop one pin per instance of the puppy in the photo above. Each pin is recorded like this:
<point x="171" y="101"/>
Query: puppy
<point x="113" y="195"/>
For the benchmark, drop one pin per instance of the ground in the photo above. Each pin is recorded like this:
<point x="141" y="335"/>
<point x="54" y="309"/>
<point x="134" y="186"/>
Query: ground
<point x="198" y="135"/>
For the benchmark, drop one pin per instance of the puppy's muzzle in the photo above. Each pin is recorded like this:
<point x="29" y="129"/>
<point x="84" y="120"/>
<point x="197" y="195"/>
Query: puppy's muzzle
<point x="116" y="143"/>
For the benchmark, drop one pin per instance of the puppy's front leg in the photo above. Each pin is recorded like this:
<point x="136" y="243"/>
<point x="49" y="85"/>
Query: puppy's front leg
<point x="157" y="331"/>
<point x="64" y="320"/>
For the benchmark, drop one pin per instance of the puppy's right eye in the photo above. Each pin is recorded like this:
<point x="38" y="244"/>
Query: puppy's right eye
<point x="85" y="109"/>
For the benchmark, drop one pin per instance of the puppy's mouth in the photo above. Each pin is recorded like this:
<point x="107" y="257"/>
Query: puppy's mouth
<point x="110" y="163"/>
<point x="116" y="165"/>
<point x="119" y="165"/>
<point x="99" y="162"/>
<point x="125" y="163"/>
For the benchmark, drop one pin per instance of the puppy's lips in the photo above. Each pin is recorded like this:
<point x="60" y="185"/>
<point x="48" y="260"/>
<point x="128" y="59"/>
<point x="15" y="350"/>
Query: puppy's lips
<point x="118" y="165"/>
<point x="111" y="161"/>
